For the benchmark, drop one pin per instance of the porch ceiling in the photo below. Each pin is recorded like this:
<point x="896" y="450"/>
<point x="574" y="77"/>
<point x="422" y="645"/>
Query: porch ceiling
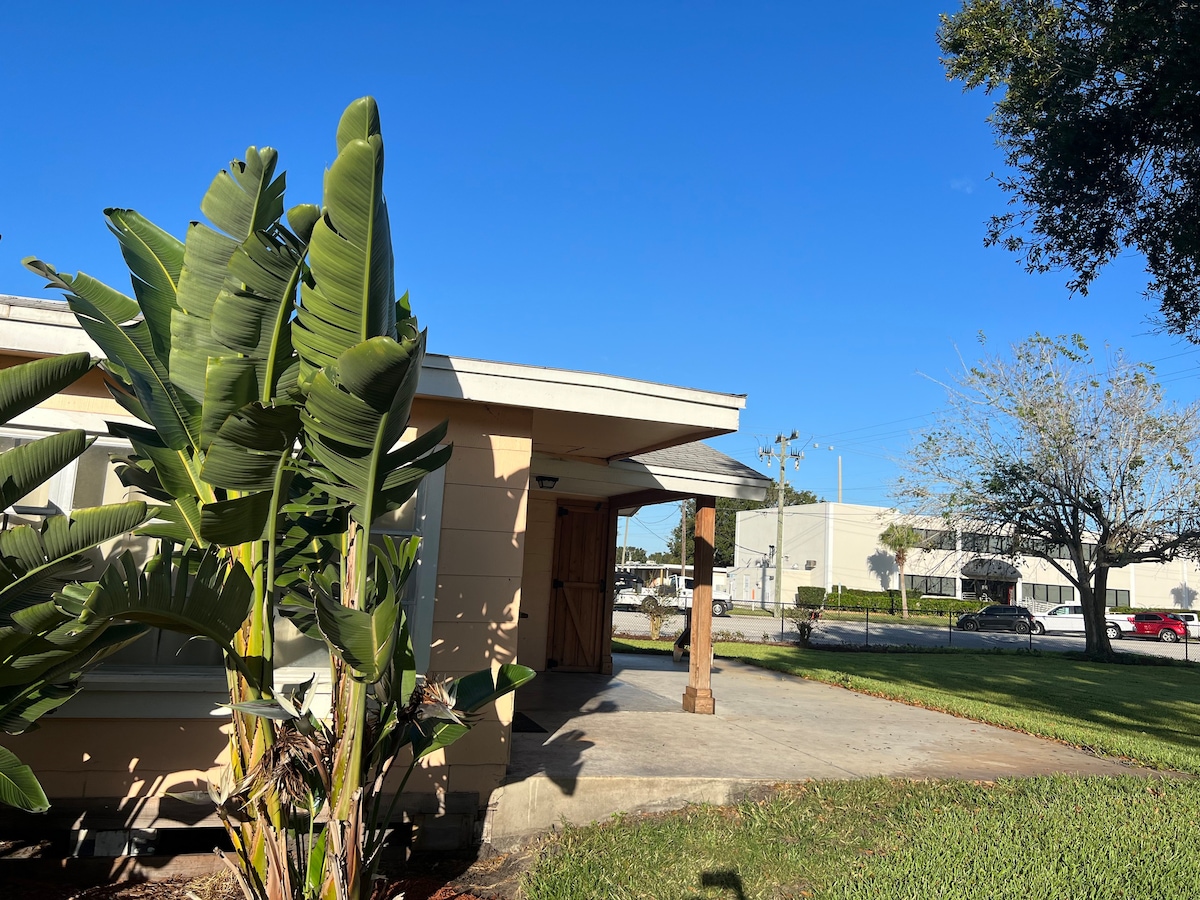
<point x="689" y="470"/>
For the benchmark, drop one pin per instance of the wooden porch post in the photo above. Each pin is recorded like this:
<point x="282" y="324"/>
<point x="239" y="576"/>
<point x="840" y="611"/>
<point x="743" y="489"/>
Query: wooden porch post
<point x="698" y="698"/>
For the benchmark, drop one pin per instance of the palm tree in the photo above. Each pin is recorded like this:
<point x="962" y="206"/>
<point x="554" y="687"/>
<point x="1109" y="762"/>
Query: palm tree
<point x="899" y="539"/>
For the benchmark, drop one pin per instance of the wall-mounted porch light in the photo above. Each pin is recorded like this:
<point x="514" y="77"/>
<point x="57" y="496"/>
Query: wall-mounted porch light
<point x="545" y="482"/>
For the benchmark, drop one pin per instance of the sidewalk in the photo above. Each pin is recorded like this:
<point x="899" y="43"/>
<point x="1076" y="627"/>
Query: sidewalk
<point x="623" y="743"/>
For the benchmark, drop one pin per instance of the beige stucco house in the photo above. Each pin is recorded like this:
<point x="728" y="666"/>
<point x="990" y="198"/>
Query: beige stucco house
<point x="519" y="536"/>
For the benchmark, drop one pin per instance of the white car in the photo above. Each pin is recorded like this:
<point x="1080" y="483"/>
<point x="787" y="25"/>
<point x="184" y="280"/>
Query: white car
<point x="1191" y="620"/>
<point x="1069" y="618"/>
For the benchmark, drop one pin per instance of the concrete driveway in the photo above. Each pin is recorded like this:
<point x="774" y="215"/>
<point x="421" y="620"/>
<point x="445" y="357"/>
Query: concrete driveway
<point x="587" y="746"/>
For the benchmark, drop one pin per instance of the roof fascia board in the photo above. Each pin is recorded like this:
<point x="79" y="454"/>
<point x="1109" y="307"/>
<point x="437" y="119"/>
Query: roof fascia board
<point x="49" y="328"/>
<point x="561" y="390"/>
<point x="607" y="481"/>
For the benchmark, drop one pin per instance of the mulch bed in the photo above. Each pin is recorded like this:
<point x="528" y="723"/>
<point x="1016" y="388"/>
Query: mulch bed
<point x="496" y="878"/>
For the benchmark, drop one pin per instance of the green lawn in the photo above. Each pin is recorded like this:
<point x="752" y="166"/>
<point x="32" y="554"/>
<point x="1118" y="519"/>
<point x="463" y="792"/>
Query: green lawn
<point x="1141" y="710"/>
<point x="880" y="839"/>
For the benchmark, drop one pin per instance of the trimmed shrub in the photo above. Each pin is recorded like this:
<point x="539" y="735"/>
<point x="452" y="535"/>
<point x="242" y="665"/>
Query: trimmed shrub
<point x="890" y="600"/>
<point x="810" y="596"/>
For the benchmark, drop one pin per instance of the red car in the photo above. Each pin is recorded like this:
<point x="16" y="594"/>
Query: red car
<point x="1164" y="626"/>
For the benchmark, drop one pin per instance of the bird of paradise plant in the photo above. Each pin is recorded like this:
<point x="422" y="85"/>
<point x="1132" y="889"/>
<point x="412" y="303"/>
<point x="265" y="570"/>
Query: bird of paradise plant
<point x="43" y="648"/>
<point x="274" y="370"/>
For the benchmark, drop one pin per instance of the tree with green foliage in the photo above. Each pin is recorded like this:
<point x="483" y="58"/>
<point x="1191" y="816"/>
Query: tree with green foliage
<point x="1051" y="454"/>
<point x="274" y="369"/>
<point x="1099" y="119"/>
<point x="899" y="538"/>
<point x="632" y="554"/>
<point x="725" y="537"/>
<point x="45" y="648"/>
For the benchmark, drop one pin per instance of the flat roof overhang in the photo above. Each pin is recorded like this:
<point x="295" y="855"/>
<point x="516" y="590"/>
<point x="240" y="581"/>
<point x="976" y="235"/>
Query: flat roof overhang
<point x="584" y="414"/>
<point x="579" y="415"/>
<point x="632" y="484"/>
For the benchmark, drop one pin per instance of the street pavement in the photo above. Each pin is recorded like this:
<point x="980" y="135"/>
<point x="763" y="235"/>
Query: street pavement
<point x="859" y="632"/>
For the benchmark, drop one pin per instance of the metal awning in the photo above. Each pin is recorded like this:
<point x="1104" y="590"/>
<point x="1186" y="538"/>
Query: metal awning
<point x="991" y="569"/>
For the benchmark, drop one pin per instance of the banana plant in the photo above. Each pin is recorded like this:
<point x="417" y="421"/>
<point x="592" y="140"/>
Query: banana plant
<point x="43" y="648"/>
<point x="274" y="371"/>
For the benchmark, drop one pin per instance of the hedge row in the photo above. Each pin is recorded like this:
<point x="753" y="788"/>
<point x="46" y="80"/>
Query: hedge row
<point x="813" y="596"/>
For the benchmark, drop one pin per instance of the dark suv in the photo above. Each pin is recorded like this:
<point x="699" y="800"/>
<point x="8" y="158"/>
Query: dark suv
<point x="998" y="618"/>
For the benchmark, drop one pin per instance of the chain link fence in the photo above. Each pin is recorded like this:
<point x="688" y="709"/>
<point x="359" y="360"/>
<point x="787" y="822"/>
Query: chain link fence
<point x="875" y="627"/>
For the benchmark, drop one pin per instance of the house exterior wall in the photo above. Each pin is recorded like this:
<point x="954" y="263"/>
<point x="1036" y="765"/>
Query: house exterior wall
<point x="536" y="578"/>
<point x="480" y="563"/>
<point x="98" y="746"/>
<point x="831" y="544"/>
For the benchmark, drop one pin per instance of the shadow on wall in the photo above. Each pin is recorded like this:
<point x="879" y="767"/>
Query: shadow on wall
<point x="1183" y="597"/>
<point x="882" y="565"/>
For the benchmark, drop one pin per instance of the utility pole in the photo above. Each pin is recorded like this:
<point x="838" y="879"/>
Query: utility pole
<point x="682" y="546"/>
<point x="625" y="546"/>
<point x="783" y="454"/>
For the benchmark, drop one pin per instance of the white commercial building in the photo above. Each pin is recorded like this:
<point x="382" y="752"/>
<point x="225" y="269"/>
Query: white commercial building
<point x="831" y="544"/>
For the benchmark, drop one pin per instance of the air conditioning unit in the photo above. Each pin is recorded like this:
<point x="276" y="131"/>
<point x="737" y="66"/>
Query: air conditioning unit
<point x="810" y="564"/>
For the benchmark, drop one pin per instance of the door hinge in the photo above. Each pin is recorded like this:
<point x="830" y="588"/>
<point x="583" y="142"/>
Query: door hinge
<point x="557" y="584"/>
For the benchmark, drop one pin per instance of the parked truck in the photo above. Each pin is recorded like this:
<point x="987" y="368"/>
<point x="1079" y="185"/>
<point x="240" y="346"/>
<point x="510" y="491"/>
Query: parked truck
<point x="722" y="602"/>
<point x="1068" y="617"/>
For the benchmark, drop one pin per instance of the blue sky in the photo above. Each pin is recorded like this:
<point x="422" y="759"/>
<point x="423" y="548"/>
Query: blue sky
<point x="784" y="200"/>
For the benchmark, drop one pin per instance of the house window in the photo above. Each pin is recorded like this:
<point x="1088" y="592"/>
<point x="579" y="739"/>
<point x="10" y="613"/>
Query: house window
<point x="89" y="480"/>
<point x="1048" y="593"/>
<point x="930" y="585"/>
<point x="420" y="516"/>
<point x="48" y="498"/>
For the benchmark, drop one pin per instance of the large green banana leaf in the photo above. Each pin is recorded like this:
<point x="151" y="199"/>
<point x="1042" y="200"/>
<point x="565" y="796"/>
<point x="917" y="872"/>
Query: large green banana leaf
<point x="28" y="466"/>
<point x="241" y="202"/>
<point x="350" y="294"/>
<point x="25" y="386"/>
<point x="170" y="476"/>
<point x="355" y="412"/>
<point x="18" y="786"/>
<point x="114" y="322"/>
<point x="19" y="714"/>
<point x="155" y="261"/>
<point x="48" y="642"/>
<point x="43" y="681"/>
<point x="33" y="559"/>
<point x="252" y="314"/>
<point x="248" y="451"/>
<point x="363" y="640"/>
<point x="212" y="603"/>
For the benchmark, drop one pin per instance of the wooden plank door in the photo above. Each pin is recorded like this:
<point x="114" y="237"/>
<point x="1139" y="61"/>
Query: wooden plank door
<point x="579" y="590"/>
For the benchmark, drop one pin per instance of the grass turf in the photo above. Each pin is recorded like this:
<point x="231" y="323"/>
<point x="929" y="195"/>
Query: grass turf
<point x="883" y="839"/>
<point x="1142" y="710"/>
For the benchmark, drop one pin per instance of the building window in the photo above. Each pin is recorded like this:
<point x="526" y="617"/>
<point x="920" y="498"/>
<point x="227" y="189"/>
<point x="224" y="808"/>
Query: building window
<point x="930" y="585"/>
<point x="997" y="544"/>
<point x="937" y="539"/>
<point x="1048" y="593"/>
<point x="1116" y="598"/>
